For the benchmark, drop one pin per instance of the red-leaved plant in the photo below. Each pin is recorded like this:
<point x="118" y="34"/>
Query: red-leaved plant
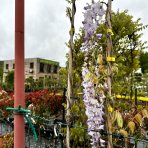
<point x="43" y="102"/>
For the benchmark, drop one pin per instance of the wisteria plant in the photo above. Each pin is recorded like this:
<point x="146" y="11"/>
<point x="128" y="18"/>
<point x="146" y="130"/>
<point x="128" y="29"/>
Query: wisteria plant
<point x="93" y="88"/>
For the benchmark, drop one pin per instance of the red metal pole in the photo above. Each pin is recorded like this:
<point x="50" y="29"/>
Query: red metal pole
<point x="19" y="132"/>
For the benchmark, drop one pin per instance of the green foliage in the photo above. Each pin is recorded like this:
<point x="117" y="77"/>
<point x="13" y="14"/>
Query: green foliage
<point x="63" y="76"/>
<point x="78" y="135"/>
<point x="144" y="62"/>
<point x="48" y="83"/>
<point x="127" y="45"/>
<point x="32" y="85"/>
<point x="143" y="85"/>
<point x="141" y="94"/>
<point x="78" y="55"/>
<point x="1" y="71"/>
<point x="10" y="81"/>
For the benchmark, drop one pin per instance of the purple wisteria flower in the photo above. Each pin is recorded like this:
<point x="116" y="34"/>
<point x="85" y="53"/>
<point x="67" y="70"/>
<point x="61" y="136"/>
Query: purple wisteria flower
<point x="94" y="108"/>
<point x="92" y="16"/>
<point x="99" y="36"/>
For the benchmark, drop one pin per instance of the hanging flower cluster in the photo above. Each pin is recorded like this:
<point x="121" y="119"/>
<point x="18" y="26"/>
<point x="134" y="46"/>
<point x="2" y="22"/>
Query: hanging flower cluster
<point x="93" y="101"/>
<point x="92" y="16"/>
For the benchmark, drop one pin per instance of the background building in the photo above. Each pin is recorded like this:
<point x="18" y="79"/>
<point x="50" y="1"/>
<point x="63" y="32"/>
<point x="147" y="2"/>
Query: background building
<point x="36" y="68"/>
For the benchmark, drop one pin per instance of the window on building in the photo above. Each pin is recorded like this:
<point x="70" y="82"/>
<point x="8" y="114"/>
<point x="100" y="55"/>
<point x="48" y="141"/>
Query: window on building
<point x="7" y="66"/>
<point x="55" y="69"/>
<point x="13" y="66"/>
<point x="31" y="65"/>
<point x="42" y="67"/>
<point x="49" y="68"/>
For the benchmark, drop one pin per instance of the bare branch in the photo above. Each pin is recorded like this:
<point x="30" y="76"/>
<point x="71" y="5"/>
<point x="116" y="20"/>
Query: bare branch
<point x="68" y="12"/>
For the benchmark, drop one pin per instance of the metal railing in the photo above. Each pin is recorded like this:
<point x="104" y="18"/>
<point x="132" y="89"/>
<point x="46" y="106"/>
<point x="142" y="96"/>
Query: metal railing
<point x="50" y="136"/>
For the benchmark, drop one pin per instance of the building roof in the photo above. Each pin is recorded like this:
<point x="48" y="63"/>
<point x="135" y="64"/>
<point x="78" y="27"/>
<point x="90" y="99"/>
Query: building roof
<point x="41" y="60"/>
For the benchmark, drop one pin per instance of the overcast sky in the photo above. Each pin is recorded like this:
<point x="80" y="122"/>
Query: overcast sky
<point x="47" y="27"/>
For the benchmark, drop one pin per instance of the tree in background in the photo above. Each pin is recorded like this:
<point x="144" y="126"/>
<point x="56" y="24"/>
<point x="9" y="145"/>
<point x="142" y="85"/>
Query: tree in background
<point x="1" y="71"/>
<point x="32" y="85"/>
<point x="62" y="80"/>
<point x="10" y="81"/>
<point x="127" y="45"/>
<point x="144" y="62"/>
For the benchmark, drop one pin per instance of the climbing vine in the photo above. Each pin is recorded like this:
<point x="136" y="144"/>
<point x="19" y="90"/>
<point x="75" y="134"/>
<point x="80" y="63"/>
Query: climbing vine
<point x="93" y="88"/>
